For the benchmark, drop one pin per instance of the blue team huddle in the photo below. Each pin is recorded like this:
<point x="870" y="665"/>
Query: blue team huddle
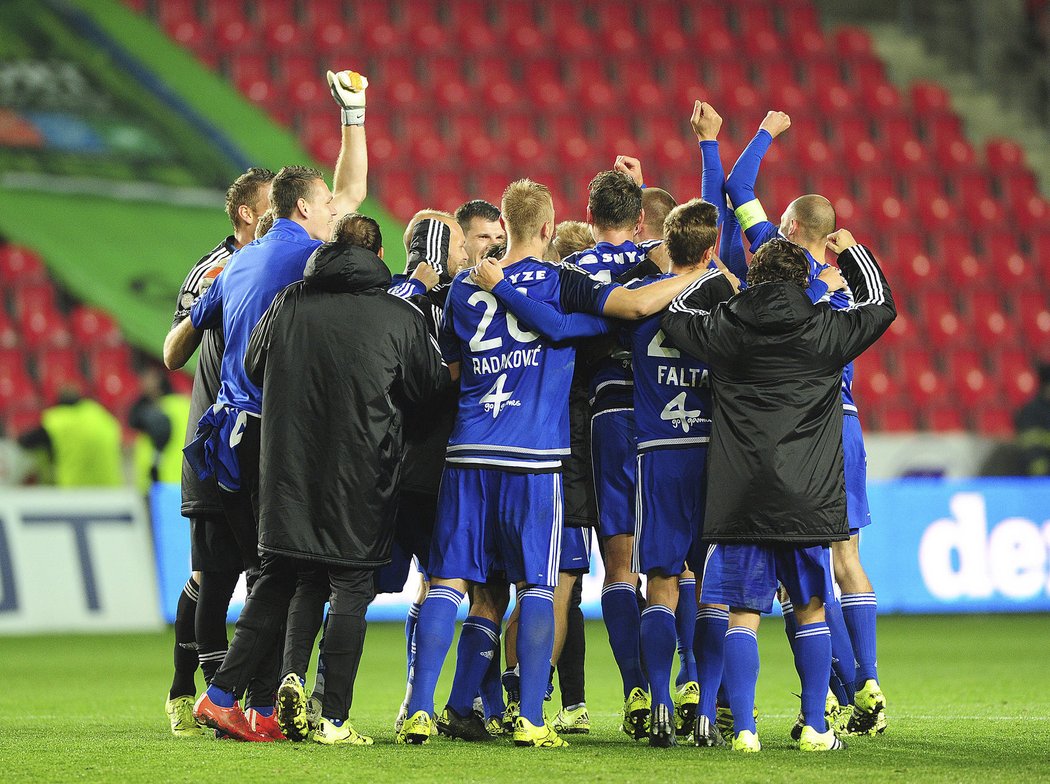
<point x="516" y="397"/>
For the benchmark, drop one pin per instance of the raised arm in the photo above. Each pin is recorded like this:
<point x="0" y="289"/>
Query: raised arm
<point x="350" y="183"/>
<point x="854" y="330"/>
<point x="740" y="184"/>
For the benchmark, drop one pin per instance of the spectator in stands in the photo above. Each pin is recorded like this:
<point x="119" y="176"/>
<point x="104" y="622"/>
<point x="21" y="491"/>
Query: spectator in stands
<point x="158" y="414"/>
<point x="481" y="227"/>
<point x="1032" y="423"/>
<point x="82" y="439"/>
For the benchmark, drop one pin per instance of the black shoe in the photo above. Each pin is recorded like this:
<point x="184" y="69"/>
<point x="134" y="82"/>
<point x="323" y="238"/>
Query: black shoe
<point x="469" y="727"/>
<point x="661" y="728"/>
<point x="706" y="734"/>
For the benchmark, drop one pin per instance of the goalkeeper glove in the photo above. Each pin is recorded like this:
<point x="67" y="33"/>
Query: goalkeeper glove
<point x="348" y="89"/>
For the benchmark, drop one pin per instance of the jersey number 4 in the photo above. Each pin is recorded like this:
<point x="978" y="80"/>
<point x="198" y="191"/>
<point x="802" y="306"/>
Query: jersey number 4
<point x="479" y="342"/>
<point x="678" y="415"/>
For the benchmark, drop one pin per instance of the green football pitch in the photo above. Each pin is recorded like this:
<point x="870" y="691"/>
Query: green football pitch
<point x="967" y="702"/>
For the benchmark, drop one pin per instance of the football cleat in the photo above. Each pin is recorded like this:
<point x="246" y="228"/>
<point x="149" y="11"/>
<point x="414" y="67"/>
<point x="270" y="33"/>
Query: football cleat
<point x="837" y="716"/>
<point x="313" y="710"/>
<point x="811" y="740"/>
<point x="543" y="737"/>
<point x="402" y="714"/>
<point x="706" y="734"/>
<point x="869" y="710"/>
<point x="686" y="700"/>
<point x="746" y="741"/>
<point x="229" y="720"/>
<point x="329" y="734"/>
<point x="180" y="714"/>
<point x="636" y="714"/>
<point x="265" y="725"/>
<point x="494" y="725"/>
<point x="661" y="727"/>
<point x="510" y="715"/>
<point x="416" y="729"/>
<point x="572" y="722"/>
<point x="724" y="721"/>
<point x="469" y="727"/>
<point x="291" y="708"/>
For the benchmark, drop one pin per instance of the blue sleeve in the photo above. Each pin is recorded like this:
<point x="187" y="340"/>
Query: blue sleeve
<point x="206" y="312"/>
<point x="731" y="248"/>
<point x="740" y="187"/>
<point x="713" y="178"/>
<point x="547" y="319"/>
<point x="406" y="287"/>
<point x="580" y="293"/>
<point x="817" y="290"/>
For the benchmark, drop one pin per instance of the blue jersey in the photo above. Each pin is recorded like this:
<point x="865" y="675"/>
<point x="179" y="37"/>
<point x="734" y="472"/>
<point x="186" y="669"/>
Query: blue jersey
<point x="610" y="381"/>
<point x="672" y="393"/>
<point x="839" y="300"/>
<point x="237" y="299"/>
<point x="514" y="383"/>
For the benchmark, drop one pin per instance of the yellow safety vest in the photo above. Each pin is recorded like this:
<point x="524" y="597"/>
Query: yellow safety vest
<point x="85" y="444"/>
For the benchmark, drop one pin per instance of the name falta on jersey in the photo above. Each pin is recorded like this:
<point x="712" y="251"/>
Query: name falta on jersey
<point x="681" y="376"/>
<point x="518" y="358"/>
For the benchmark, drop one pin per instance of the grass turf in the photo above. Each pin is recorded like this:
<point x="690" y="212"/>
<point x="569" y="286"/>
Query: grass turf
<point x="965" y="694"/>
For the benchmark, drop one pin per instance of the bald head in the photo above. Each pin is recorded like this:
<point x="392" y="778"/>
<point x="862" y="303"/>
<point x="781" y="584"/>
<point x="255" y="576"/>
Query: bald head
<point x="656" y="205"/>
<point x="814" y="219"/>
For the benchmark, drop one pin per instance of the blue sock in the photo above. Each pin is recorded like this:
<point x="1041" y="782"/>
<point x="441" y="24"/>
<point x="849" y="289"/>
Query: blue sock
<point x="685" y="627"/>
<point x="858" y="611"/>
<point x="264" y="710"/>
<point x="224" y="699"/>
<point x="658" y="649"/>
<point x="741" y="676"/>
<point x="623" y="621"/>
<point x="813" y="662"/>
<point x="477" y="642"/>
<point x="709" y="651"/>
<point x="410" y="636"/>
<point x="843" y="665"/>
<point x="433" y="636"/>
<point x="535" y="646"/>
<point x="491" y="688"/>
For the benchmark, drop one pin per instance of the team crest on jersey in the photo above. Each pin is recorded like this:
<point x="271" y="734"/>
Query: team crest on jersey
<point x="498" y="397"/>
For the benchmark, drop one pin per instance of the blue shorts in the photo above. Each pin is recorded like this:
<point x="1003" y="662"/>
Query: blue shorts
<point x="491" y="521"/>
<point x="856" y="464"/>
<point x="612" y="457"/>
<point x="669" y="516"/>
<point x="747" y="575"/>
<point x="213" y="451"/>
<point x="575" y="551"/>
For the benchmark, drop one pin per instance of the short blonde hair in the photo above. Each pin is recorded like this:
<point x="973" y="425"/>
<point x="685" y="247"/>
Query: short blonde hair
<point x="572" y="236"/>
<point x="526" y="206"/>
<point x="265" y="223"/>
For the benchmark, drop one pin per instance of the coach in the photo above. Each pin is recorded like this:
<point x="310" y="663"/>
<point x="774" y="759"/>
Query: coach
<point x="776" y="463"/>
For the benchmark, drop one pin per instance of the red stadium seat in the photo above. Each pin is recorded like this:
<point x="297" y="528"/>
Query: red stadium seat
<point x="942" y="127"/>
<point x="1004" y="155"/>
<point x="944" y="417"/>
<point x="20" y="265"/>
<point x="9" y="337"/>
<point x="929" y="97"/>
<point x="1017" y="186"/>
<point x="955" y="154"/>
<point x="1033" y="313"/>
<point x="853" y="43"/>
<point x="994" y="421"/>
<point x="994" y="329"/>
<point x="970" y="383"/>
<point x="907" y="153"/>
<point x="1020" y="384"/>
<point x="1032" y="215"/>
<point x="91" y="327"/>
<point x="880" y="97"/>
<point x="896" y="418"/>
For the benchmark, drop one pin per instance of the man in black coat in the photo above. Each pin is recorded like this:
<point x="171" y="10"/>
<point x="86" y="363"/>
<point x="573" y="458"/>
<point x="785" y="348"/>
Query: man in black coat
<point x="775" y="463"/>
<point x="339" y="361"/>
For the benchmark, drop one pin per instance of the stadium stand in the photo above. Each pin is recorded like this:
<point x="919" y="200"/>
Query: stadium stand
<point x="522" y="95"/>
<point x="47" y="342"/>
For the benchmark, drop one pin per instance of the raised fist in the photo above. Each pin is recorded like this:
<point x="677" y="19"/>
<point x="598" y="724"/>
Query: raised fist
<point x="775" y="123"/>
<point x="348" y="89"/>
<point x="839" y="240"/>
<point x="630" y="166"/>
<point x="426" y="275"/>
<point x="705" y="121"/>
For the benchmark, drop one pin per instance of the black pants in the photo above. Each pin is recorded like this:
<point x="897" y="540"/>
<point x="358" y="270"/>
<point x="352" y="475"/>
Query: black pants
<point x="293" y="590"/>
<point x="242" y="507"/>
<point x="571" y="661"/>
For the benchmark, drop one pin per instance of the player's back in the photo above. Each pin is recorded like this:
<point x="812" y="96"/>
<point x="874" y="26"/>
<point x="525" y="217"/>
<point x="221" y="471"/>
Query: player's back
<point x="514" y="383"/>
<point x="251" y="280"/>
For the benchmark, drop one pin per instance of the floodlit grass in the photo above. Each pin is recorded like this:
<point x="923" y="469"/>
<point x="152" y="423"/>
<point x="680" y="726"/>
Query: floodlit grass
<point x="966" y="703"/>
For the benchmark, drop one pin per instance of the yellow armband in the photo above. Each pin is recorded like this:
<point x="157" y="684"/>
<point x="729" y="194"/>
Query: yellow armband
<point x="747" y="215"/>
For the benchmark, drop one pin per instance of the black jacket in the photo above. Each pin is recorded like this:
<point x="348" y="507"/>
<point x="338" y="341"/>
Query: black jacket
<point x="339" y="361"/>
<point x="775" y="467"/>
